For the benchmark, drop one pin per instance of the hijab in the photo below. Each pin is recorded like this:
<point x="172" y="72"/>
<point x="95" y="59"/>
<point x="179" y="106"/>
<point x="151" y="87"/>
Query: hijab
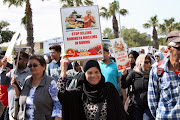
<point x="161" y="57"/>
<point x="135" y="55"/>
<point x="92" y="93"/>
<point x="139" y="67"/>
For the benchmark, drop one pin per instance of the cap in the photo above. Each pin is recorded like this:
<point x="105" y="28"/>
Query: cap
<point x="173" y="36"/>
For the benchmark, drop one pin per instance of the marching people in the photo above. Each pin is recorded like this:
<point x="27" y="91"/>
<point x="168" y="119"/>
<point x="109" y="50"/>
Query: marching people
<point x="163" y="88"/>
<point x="92" y="99"/>
<point x="139" y="78"/>
<point x="38" y="98"/>
<point x="5" y="79"/>
<point x="110" y="71"/>
<point x="132" y="56"/>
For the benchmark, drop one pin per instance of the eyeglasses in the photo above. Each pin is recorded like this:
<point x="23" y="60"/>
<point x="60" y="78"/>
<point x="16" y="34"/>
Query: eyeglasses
<point x="33" y="65"/>
<point x="20" y="58"/>
<point x="156" y="56"/>
<point x="177" y="48"/>
<point x="147" y="62"/>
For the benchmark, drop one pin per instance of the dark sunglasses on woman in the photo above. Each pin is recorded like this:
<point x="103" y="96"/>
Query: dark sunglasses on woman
<point x="147" y="62"/>
<point x="33" y="65"/>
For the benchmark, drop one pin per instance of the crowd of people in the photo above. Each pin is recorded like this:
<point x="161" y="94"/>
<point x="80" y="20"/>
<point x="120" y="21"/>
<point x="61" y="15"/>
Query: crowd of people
<point x="58" y="89"/>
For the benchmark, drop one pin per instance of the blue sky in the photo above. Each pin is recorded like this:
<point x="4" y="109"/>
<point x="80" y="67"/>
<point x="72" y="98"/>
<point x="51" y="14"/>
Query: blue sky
<point x="47" y="23"/>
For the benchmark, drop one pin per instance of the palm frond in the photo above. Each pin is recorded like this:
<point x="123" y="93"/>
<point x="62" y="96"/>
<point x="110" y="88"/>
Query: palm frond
<point x="146" y="25"/>
<point x="104" y="12"/>
<point x="88" y="2"/>
<point x="113" y="7"/>
<point x="123" y="12"/>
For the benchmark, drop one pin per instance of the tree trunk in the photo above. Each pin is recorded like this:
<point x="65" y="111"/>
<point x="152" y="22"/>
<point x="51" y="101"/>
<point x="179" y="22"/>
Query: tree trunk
<point x="30" y="38"/>
<point x="155" y="39"/>
<point x="115" y="27"/>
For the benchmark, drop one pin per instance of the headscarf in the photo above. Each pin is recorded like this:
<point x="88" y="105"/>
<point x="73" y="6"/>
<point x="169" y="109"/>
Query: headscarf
<point x="92" y="93"/>
<point x="161" y="57"/>
<point x="140" y="66"/>
<point x="135" y="55"/>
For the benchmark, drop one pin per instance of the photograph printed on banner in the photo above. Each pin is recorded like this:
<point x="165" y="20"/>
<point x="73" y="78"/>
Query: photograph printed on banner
<point x="120" y="53"/>
<point x="81" y="32"/>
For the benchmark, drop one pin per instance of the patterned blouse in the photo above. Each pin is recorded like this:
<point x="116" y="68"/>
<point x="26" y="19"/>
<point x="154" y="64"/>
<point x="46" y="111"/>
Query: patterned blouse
<point x="90" y="109"/>
<point x="53" y="92"/>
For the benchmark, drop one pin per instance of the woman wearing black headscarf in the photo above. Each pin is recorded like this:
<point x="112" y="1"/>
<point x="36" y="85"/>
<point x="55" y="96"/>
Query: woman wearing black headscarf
<point x="138" y="78"/>
<point x="132" y="56"/>
<point x="93" y="99"/>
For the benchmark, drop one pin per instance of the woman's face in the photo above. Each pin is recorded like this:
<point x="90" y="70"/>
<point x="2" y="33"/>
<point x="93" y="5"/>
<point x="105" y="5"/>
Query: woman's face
<point x="131" y="58"/>
<point x="147" y="64"/>
<point x="35" y="67"/>
<point x="157" y="58"/>
<point x="93" y="76"/>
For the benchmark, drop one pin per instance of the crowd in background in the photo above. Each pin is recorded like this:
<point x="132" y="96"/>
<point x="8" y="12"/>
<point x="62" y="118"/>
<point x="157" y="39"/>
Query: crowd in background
<point x="53" y="88"/>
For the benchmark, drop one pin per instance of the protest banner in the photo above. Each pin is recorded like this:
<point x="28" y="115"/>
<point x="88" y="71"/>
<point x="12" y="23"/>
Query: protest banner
<point x="81" y="32"/>
<point x="163" y="49"/>
<point x="120" y="53"/>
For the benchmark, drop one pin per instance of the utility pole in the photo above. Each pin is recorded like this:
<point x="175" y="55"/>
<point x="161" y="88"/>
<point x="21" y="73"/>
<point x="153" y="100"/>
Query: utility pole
<point x="119" y="20"/>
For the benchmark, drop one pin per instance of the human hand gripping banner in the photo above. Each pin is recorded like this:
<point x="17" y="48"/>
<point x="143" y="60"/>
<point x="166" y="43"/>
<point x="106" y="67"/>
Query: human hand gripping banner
<point x="81" y="33"/>
<point x="120" y="53"/>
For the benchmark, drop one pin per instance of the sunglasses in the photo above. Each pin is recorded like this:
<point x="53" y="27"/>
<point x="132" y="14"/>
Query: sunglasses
<point x="177" y="48"/>
<point x="156" y="56"/>
<point x="147" y="62"/>
<point x="33" y="65"/>
<point x="20" y="58"/>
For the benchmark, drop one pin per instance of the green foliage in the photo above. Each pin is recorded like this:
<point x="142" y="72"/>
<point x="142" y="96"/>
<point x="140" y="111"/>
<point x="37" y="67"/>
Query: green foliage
<point x="4" y="48"/>
<point x="168" y="26"/>
<point x="5" y="33"/>
<point x="108" y="33"/>
<point x="71" y="3"/>
<point x="111" y="12"/>
<point x="162" y="41"/>
<point x="153" y="22"/>
<point x="14" y="2"/>
<point x="134" y="38"/>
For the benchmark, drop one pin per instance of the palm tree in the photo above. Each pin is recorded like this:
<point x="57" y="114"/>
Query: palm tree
<point x="26" y="20"/>
<point x="153" y="22"/>
<point x="113" y="9"/>
<point x="71" y="3"/>
<point x="168" y="26"/>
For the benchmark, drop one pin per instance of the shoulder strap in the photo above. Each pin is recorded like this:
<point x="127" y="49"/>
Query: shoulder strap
<point x="160" y="72"/>
<point x="131" y="87"/>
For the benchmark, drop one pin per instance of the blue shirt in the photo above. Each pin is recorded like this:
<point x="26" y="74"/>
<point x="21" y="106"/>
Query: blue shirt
<point x="110" y="72"/>
<point x="54" y="69"/>
<point x="167" y="107"/>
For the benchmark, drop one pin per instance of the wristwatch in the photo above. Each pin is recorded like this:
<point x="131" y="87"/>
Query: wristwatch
<point x="16" y="99"/>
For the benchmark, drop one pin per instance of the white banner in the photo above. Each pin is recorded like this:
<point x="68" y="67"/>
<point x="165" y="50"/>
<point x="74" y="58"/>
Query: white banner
<point x="81" y="32"/>
<point x="120" y="53"/>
